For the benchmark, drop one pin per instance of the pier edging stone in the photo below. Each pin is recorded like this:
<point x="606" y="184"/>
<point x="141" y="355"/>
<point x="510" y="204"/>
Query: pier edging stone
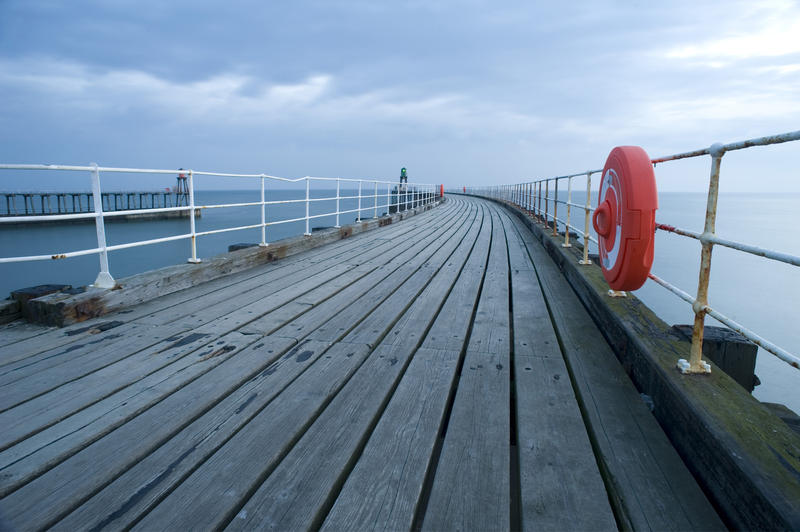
<point x="62" y="309"/>
<point x="745" y="458"/>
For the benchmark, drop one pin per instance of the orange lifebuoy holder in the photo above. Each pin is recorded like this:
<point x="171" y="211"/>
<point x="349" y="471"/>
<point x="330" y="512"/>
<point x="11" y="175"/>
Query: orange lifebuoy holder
<point x="625" y="219"/>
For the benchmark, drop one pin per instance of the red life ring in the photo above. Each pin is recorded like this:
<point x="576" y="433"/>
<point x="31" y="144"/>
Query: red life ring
<point x="625" y="217"/>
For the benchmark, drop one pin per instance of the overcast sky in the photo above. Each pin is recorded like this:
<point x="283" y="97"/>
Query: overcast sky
<point x="466" y="92"/>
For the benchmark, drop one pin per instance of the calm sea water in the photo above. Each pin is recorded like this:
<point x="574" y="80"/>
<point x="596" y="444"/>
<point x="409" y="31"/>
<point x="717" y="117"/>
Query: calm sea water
<point x="758" y="293"/>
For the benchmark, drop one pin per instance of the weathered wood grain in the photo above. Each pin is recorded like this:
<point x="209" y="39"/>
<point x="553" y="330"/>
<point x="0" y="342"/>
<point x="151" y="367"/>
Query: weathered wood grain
<point x="560" y="484"/>
<point x="208" y="496"/>
<point x="471" y="487"/>
<point x="490" y="330"/>
<point x="46" y="447"/>
<point x="648" y="483"/>
<point x="310" y="371"/>
<point x="44" y="410"/>
<point x="59" y="490"/>
<point x="296" y="494"/>
<point x="85" y="359"/>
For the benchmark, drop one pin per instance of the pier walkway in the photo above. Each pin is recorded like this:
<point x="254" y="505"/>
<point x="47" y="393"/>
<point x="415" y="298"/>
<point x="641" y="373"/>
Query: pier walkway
<point x="437" y="373"/>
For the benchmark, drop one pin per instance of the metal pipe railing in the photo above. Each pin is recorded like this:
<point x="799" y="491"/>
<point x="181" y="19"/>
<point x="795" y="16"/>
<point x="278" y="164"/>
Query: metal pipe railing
<point x="415" y="193"/>
<point x="707" y="238"/>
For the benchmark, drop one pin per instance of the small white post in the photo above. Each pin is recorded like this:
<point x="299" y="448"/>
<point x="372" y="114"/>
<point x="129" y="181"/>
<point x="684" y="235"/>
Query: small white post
<point x="376" y="200"/>
<point x="358" y="218"/>
<point x="193" y="259"/>
<point x="263" y="243"/>
<point x="566" y="243"/>
<point x="337" y="203"/>
<point x="308" y="190"/>
<point x="104" y="279"/>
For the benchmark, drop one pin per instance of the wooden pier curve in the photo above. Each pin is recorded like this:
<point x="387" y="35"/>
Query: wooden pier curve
<point x="434" y="374"/>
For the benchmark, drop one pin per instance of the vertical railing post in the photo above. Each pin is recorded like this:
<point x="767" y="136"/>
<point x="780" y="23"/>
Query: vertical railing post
<point x="546" y="200"/>
<point x="308" y="197"/>
<point x="388" y="197"/>
<point x="695" y="363"/>
<point x="555" y="211"/>
<point x="376" y="200"/>
<point x="539" y="199"/>
<point x="190" y="178"/>
<point x="528" y="198"/>
<point x="104" y="279"/>
<point x="566" y="243"/>
<point x="585" y="260"/>
<point x="337" y="203"/>
<point x="358" y="218"/>
<point x="263" y="214"/>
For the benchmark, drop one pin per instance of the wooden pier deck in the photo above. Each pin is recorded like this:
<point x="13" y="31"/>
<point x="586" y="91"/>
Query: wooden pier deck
<point x="434" y="374"/>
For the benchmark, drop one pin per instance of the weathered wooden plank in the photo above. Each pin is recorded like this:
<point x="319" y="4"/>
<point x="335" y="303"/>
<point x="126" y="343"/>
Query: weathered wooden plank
<point x="52" y="338"/>
<point x="19" y="330"/>
<point x="86" y="359"/>
<point x="384" y="494"/>
<point x="335" y="317"/>
<point x="50" y="446"/>
<point x="490" y="329"/>
<point x="450" y="331"/>
<point x="363" y="276"/>
<point x="384" y="489"/>
<point x="247" y="308"/>
<point x="311" y="370"/>
<point x="209" y="497"/>
<point x="355" y="277"/>
<point x="58" y="491"/>
<point x="649" y="484"/>
<point x="388" y="307"/>
<point x="44" y="410"/>
<point x="560" y="484"/>
<point x="296" y="494"/>
<point x="63" y="353"/>
<point x="471" y="486"/>
<point x="439" y="273"/>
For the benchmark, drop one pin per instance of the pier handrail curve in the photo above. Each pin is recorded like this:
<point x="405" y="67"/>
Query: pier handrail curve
<point x="530" y="195"/>
<point x="411" y="195"/>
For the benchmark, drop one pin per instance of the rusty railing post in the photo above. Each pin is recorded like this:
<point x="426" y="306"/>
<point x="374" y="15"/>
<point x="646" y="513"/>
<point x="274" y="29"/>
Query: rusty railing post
<point x="695" y="363"/>
<point x="585" y="260"/>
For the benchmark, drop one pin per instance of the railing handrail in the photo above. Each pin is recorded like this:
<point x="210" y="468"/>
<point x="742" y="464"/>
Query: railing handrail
<point x="528" y="196"/>
<point x="407" y="195"/>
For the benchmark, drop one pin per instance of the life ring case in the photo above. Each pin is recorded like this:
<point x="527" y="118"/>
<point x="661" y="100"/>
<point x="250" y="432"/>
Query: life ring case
<point x="625" y="217"/>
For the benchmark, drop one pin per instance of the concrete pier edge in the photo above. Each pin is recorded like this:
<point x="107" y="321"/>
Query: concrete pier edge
<point x="745" y="458"/>
<point x="62" y="309"/>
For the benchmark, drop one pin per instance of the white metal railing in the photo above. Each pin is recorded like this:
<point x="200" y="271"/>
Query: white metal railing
<point x="404" y="197"/>
<point x="530" y="195"/>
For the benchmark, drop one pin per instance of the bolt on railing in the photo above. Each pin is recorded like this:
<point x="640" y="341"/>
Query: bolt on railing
<point x="708" y="238"/>
<point x="104" y="278"/>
